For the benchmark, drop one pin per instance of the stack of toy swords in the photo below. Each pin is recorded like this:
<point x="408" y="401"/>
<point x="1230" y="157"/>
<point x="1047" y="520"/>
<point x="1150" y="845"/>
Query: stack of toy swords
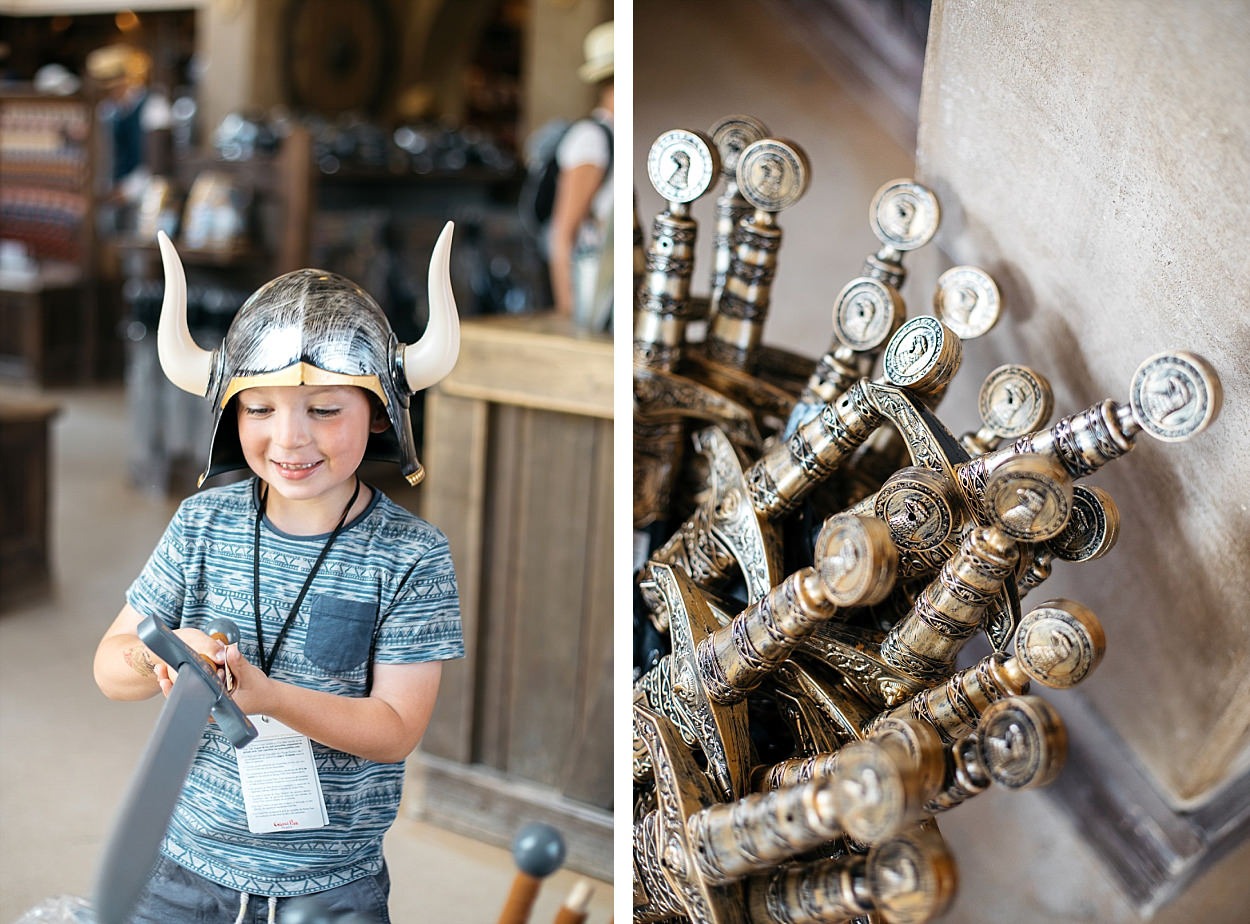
<point x="815" y="548"/>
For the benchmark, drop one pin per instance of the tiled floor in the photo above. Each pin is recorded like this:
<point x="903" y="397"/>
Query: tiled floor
<point x="67" y="753"/>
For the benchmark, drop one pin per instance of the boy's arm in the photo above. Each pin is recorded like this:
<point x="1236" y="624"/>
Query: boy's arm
<point x="126" y="669"/>
<point x="384" y="726"/>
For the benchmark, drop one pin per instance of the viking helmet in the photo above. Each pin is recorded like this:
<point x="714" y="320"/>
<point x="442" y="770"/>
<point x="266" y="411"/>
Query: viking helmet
<point x="316" y="328"/>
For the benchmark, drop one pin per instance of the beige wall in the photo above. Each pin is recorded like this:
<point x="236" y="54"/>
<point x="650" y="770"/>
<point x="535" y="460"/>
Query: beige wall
<point x="553" y="53"/>
<point x="1095" y="158"/>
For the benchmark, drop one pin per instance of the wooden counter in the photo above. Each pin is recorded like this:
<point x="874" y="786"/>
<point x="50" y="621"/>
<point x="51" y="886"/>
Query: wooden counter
<point x="518" y="447"/>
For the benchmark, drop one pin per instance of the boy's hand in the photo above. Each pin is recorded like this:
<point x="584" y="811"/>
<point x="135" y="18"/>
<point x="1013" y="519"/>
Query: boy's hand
<point x="211" y="649"/>
<point x="251" y="685"/>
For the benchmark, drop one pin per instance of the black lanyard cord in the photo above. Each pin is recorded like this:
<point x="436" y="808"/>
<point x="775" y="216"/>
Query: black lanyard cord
<point x="266" y="664"/>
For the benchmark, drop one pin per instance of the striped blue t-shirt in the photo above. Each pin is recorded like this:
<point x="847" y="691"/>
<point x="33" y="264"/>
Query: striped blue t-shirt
<point x="389" y="574"/>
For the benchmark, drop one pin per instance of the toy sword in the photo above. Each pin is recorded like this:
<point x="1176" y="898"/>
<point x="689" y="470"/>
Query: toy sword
<point x="197" y="693"/>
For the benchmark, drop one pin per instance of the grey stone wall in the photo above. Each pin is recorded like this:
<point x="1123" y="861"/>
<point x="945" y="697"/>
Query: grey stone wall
<point x="1095" y="158"/>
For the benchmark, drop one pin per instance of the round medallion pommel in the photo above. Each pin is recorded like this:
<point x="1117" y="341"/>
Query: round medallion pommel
<point x="867" y="313"/>
<point x="731" y="135"/>
<point x="1175" y="396"/>
<point x="923" y="355"/>
<point x="968" y="301"/>
<point x="683" y="164"/>
<point x="1022" y="742"/>
<point x="1092" y="529"/>
<point x="1059" y="643"/>
<point x="1029" y="497"/>
<point x="773" y="174"/>
<point x="855" y="560"/>
<point x="904" y="214"/>
<point x="1014" y="401"/>
<point x="918" y="506"/>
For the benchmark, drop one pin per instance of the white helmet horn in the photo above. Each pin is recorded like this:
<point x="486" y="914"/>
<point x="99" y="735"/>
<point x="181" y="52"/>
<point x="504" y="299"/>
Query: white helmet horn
<point x="428" y="360"/>
<point x="185" y="362"/>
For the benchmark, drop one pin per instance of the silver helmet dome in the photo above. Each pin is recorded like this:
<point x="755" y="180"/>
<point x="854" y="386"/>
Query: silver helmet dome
<point x="316" y="328"/>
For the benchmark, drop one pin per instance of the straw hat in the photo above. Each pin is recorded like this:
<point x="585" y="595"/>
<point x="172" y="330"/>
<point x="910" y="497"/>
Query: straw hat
<point x="598" y="50"/>
<point x="114" y="63"/>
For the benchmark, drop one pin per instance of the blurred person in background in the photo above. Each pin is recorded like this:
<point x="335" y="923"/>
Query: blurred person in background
<point x="580" y="245"/>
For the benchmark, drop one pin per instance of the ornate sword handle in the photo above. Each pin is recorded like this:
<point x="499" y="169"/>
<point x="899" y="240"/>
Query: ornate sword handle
<point x="178" y="654"/>
<point x="1029" y="499"/>
<point x="682" y="165"/>
<point x="772" y="175"/>
<point x="1058" y="644"/>
<point x="1173" y="397"/>
<point x="910" y="879"/>
<point x="1020" y="743"/>
<point x="854" y="566"/>
<point x="730" y="135"/>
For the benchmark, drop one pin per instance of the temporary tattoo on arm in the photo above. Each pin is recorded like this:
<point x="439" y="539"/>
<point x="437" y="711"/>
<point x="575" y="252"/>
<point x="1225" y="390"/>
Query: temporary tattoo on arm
<point x="140" y="661"/>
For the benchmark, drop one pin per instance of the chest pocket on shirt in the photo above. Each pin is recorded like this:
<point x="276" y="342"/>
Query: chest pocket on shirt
<point x="339" y="632"/>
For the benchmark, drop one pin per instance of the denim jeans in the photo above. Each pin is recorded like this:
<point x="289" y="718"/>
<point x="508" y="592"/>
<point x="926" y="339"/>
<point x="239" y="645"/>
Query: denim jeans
<point x="175" y="895"/>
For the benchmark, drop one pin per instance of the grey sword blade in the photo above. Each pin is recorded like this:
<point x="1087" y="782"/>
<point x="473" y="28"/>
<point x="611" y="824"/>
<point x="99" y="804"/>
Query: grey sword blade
<point x="149" y="803"/>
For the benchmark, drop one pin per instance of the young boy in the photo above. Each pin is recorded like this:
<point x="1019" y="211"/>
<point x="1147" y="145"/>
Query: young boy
<point x="345" y="602"/>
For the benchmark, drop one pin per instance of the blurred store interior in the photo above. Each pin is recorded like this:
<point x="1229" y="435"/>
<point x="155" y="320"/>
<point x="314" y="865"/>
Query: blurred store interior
<point x="264" y="137"/>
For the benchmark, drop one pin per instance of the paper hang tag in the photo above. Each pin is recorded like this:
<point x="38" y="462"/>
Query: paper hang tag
<point x="281" y="790"/>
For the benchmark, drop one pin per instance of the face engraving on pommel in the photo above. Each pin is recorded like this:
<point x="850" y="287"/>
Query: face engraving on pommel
<point x="1029" y="497"/>
<point x="904" y="214"/>
<point x="1022" y="742"/>
<point x="923" y="355"/>
<point x="312" y="327"/>
<point x="1014" y="400"/>
<point x="855" y="560"/>
<point x="1174" y="396"/>
<point x="1059" y="643"/>
<point x="866" y="313"/>
<point x="682" y="165"/>
<point x="680" y="177"/>
<point x="968" y="301"/>
<point x="915" y="503"/>
<point x="731" y="135"/>
<point x="772" y="174"/>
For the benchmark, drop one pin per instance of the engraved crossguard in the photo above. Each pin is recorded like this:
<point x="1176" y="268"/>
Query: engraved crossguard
<point x="711" y="669"/>
<point x="1057" y="644"/>
<point x="922" y="355"/>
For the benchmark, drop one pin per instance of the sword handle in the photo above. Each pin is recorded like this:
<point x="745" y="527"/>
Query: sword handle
<point x="179" y="655"/>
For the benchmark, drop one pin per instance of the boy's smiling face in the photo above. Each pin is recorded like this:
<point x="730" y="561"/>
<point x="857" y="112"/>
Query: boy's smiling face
<point x="307" y="441"/>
